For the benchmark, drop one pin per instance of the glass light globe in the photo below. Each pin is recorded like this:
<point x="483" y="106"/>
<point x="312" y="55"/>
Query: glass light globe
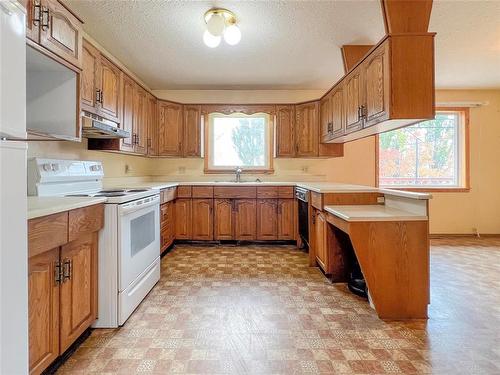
<point x="216" y="24"/>
<point x="211" y="40"/>
<point x="232" y="35"/>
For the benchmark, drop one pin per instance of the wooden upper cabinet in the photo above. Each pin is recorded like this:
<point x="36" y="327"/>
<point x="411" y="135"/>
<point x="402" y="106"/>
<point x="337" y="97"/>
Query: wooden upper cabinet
<point x="287" y="213"/>
<point x="61" y="32"/>
<point x="285" y="131"/>
<point x="109" y="84"/>
<point x="376" y="75"/>
<point x="337" y="111"/>
<point x="127" y="144"/>
<point x="140" y="118"/>
<point x="33" y="13"/>
<point x="192" y="131"/>
<point x="152" y="127"/>
<point x="183" y="219"/>
<point x="170" y="129"/>
<point x="90" y="77"/>
<point x="267" y="219"/>
<point x="78" y="288"/>
<point x="325" y="114"/>
<point x="354" y="99"/>
<point x="43" y="310"/>
<point x="245" y="221"/>
<point x="306" y="129"/>
<point x="203" y="224"/>
<point x="223" y="219"/>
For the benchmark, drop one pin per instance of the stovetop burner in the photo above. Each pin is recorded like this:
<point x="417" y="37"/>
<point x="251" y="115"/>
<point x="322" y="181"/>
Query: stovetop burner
<point x="112" y="191"/>
<point x="111" y="194"/>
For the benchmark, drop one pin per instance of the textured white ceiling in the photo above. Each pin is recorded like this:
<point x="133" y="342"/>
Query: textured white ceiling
<point x="285" y="44"/>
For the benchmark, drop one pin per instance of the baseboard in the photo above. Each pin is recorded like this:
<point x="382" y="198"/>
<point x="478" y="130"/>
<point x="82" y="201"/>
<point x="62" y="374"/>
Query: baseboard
<point x="463" y="235"/>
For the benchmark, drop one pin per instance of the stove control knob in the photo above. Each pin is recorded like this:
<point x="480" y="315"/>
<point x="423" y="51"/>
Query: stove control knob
<point x="55" y="167"/>
<point x="46" y="167"/>
<point x="95" y="168"/>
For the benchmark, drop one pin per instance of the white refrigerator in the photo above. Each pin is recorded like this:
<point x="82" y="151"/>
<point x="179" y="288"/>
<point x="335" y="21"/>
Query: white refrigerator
<point x="13" y="201"/>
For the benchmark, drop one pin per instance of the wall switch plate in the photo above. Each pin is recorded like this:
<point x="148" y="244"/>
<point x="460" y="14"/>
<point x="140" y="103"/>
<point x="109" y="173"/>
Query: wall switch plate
<point x="381" y="200"/>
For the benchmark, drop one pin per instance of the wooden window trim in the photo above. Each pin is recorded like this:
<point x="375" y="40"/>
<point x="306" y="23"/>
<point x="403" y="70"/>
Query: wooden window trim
<point x="465" y="113"/>
<point x="206" y="147"/>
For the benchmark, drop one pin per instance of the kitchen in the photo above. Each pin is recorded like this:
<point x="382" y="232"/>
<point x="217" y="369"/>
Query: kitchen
<point x="268" y="220"/>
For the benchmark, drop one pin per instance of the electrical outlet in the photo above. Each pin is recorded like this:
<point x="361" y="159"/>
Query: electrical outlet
<point x="305" y="169"/>
<point x="127" y="169"/>
<point x="182" y="170"/>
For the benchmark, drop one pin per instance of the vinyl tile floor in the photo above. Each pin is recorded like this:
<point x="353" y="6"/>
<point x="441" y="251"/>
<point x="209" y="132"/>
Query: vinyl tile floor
<point x="262" y="310"/>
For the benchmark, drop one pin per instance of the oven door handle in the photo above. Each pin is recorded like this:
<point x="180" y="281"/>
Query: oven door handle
<point x="138" y="205"/>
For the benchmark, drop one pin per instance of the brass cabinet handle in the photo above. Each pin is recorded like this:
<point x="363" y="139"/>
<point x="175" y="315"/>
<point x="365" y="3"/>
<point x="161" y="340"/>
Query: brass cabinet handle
<point x="57" y="272"/>
<point x="45" y="18"/>
<point x="36" y="13"/>
<point x="67" y="269"/>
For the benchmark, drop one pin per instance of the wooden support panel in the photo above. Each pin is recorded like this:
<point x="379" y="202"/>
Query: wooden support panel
<point x="47" y="232"/>
<point x="168" y="194"/>
<point x="351" y="198"/>
<point x="203" y="191"/>
<point x="85" y="220"/>
<point x="316" y="200"/>
<point x="235" y="192"/>
<point x="267" y="192"/>
<point x="184" y="191"/>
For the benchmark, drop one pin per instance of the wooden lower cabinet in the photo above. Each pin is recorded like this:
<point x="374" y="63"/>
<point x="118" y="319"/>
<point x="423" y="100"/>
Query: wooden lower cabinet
<point x="43" y="310"/>
<point x="245" y="220"/>
<point x="320" y="242"/>
<point x="62" y="281"/>
<point x="223" y="219"/>
<point x="203" y="223"/>
<point x="287" y="212"/>
<point x="78" y="288"/>
<point x="167" y="225"/>
<point x="267" y="219"/>
<point x="183" y="219"/>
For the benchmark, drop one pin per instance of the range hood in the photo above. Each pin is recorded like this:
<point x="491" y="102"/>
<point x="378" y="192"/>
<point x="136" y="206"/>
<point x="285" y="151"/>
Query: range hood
<point x="94" y="126"/>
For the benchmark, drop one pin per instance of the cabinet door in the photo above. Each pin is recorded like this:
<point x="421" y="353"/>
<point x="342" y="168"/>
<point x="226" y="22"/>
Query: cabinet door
<point x="353" y="100"/>
<point x="110" y="90"/>
<point x="320" y="240"/>
<point x="285" y="131"/>
<point x="167" y="223"/>
<point x="376" y="76"/>
<point x="203" y="219"/>
<point x="337" y="117"/>
<point x="33" y="14"/>
<point x="90" y="77"/>
<point x="169" y="129"/>
<point x="183" y="222"/>
<point x="78" y="287"/>
<point x="152" y="127"/>
<point x="43" y="310"/>
<point x="140" y="117"/>
<point x="267" y="219"/>
<point x="127" y="144"/>
<point x="286" y="219"/>
<point x="306" y="126"/>
<point x="61" y="32"/>
<point x="192" y="130"/>
<point x="223" y="219"/>
<point x="245" y="220"/>
<point x="325" y="118"/>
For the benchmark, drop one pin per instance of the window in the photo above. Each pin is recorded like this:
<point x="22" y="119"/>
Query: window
<point x="239" y="140"/>
<point x="430" y="155"/>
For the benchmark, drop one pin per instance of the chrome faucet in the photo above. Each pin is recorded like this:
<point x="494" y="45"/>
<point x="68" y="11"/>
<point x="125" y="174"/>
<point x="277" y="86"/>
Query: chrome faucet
<point x="238" y="174"/>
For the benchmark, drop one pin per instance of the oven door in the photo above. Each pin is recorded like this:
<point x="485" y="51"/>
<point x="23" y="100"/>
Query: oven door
<point x="138" y="238"/>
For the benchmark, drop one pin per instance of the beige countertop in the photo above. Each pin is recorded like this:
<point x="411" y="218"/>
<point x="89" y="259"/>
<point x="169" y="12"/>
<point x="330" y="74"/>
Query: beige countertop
<point x="43" y="206"/>
<point x="373" y="213"/>
<point x="318" y="187"/>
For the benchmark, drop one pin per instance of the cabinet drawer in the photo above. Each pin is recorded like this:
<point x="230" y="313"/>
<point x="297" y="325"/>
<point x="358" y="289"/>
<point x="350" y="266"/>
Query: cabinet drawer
<point x="267" y="192"/>
<point x="47" y="232"/>
<point x="165" y="213"/>
<point x="168" y="194"/>
<point x="85" y="220"/>
<point x="184" y="191"/>
<point x="316" y="200"/>
<point x="235" y="192"/>
<point x="285" y="192"/>
<point x="203" y="191"/>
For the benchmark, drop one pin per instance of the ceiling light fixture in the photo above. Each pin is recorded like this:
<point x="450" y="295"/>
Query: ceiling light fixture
<point x="221" y="23"/>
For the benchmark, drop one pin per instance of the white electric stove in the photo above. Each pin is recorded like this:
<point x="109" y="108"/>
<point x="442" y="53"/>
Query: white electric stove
<point x="129" y="243"/>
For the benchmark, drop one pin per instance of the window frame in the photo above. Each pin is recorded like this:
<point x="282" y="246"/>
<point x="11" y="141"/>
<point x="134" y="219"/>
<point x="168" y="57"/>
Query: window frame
<point x="464" y="116"/>
<point x="210" y="169"/>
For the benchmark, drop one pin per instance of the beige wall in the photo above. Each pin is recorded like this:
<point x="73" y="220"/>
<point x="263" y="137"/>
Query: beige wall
<point x="461" y="213"/>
